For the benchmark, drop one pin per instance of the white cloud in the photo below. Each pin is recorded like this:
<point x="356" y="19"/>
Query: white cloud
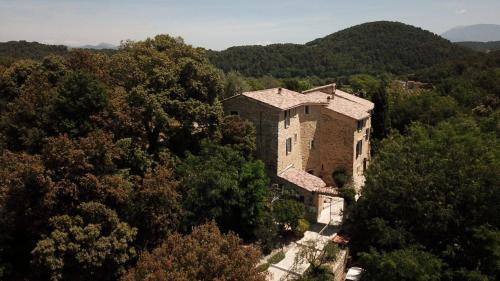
<point x="461" y="11"/>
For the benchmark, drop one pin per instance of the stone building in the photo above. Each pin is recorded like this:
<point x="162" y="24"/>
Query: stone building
<point x="304" y="137"/>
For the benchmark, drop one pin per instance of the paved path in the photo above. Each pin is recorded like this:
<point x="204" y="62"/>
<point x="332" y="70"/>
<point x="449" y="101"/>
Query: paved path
<point x="286" y="268"/>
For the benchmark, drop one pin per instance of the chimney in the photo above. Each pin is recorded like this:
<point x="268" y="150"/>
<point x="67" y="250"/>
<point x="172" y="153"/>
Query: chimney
<point x="279" y="91"/>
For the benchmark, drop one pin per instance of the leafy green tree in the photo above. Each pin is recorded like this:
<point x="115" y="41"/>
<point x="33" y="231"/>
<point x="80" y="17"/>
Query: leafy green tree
<point x="172" y="91"/>
<point x="427" y="108"/>
<point x="432" y="188"/>
<point x="405" y="264"/>
<point x="204" y="254"/>
<point x="381" y="119"/>
<point x="364" y="84"/>
<point x="80" y="97"/>
<point x="235" y="84"/>
<point x="94" y="243"/>
<point x="220" y="184"/>
<point x="239" y="134"/>
<point x="287" y="212"/>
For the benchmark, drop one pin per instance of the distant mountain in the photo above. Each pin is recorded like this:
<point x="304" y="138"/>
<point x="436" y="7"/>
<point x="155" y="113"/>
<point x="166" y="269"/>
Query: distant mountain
<point x="99" y="46"/>
<point x="373" y="47"/>
<point x="477" y="32"/>
<point x="15" y="50"/>
<point x="484" y="47"/>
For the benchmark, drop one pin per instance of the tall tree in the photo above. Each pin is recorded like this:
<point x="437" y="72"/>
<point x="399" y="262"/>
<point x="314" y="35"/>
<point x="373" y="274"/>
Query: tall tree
<point x="220" y="184"/>
<point x="205" y="254"/>
<point x="436" y="188"/>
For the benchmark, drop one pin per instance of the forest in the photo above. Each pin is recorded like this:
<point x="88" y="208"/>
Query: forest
<point x="371" y="48"/>
<point x="121" y="165"/>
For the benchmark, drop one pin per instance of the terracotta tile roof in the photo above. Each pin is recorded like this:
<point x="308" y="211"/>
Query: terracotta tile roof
<point x="349" y="105"/>
<point x="285" y="99"/>
<point x="302" y="179"/>
<point x="368" y="104"/>
<point x="325" y="89"/>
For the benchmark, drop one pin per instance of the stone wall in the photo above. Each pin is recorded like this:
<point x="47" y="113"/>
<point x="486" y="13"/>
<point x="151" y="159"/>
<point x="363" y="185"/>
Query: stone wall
<point x="337" y="137"/>
<point x="265" y="119"/>
<point x="358" y="162"/>
<point x="294" y="158"/>
<point x="309" y="131"/>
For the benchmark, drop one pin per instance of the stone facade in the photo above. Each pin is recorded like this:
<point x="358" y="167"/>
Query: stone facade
<point x="320" y="131"/>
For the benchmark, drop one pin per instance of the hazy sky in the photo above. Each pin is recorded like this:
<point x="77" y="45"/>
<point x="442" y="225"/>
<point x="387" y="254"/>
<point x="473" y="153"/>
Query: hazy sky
<point x="218" y="24"/>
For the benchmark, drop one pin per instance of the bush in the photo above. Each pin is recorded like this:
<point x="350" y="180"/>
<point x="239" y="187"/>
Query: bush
<point x="330" y="252"/>
<point x="349" y="194"/>
<point x="263" y="267"/>
<point x="276" y="258"/>
<point x="340" y="178"/>
<point x="302" y="226"/>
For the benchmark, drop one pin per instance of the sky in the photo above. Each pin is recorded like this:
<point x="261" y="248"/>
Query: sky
<point x="219" y="24"/>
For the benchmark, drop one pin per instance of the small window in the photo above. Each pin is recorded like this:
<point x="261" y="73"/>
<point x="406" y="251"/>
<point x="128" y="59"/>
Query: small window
<point x="295" y="138"/>
<point x="287" y="118"/>
<point x="306" y="109"/>
<point x="361" y="124"/>
<point x="312" y="144"/>
<point x="367" y="134"/>
<point x="311" y="172"/>
<point x="288" y="146"/>
<point x="359" y="148"/>
<point x="234" y="113"/>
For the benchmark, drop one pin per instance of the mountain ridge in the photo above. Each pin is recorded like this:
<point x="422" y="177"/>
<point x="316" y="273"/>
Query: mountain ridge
<point x="473" y="33"/>
<point x="373" y="47"/>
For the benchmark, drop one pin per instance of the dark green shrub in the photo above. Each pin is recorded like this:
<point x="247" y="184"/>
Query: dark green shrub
<point x="349" y="194"/>
<point x="340" y="178"/>
<point x="276" y="258"/>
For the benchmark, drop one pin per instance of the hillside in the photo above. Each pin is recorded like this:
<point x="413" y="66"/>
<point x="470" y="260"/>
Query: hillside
<point x="477" y="32"/>
<point x="485" y="47"/>
<point x="14" y="50"/>
<point x="367" y="48"/>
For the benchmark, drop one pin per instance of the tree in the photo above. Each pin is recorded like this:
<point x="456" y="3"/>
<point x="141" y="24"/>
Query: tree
<point x="205" y="254"/>
<point x="172" y="91"/>
<point x="235" y="84"/>
<point x="287" y="212"/>
<point x="220" y="184"/>
<point x="406" y="264"/>
<point x="432" y="188"/>
<point x="92" y="244"/>
<point x="157" y="209"/>
<point x="239" y="134"/>
<point x="23" y="213"/>
<point x="80" y="97"/>
<point x="381" y="119"/>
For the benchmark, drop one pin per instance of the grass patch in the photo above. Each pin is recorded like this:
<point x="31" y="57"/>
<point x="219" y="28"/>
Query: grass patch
<point x="276" y="258"/>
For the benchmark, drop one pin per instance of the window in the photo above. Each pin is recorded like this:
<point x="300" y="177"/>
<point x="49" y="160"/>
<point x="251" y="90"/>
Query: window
<point x="359" y="148"/>
<point x="367" y="134"/>
<point x="234" y="113"/>
<point x="295" y="138"/>
<point x="312" y="144"/>
<point x="311" y="172"/>
<point x="361" y="124"/>
<point x="306" y="109"/>
<point x="288" y="146"/>
<point x="287" y="118"/>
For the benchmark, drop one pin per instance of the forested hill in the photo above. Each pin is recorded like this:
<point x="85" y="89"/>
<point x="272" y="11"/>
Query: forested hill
<point x="14" y="50"/>
<point x="485" y="47"/>
<point x="366" y="48"/>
